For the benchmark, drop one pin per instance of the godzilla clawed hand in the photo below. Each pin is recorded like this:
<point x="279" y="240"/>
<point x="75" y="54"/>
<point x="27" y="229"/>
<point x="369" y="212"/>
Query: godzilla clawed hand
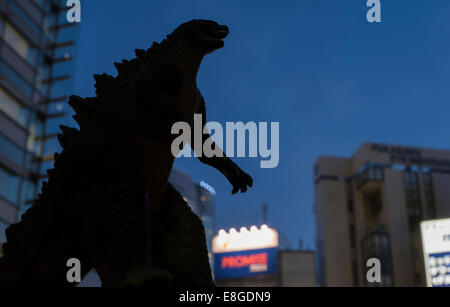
<point x="239" y="179"/>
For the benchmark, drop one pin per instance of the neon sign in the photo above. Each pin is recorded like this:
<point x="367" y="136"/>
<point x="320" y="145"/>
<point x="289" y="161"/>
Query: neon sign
<point x="245" y="253"/>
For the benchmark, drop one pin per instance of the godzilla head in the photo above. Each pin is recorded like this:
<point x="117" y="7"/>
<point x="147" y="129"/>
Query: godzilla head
<point x="204" y="35"/>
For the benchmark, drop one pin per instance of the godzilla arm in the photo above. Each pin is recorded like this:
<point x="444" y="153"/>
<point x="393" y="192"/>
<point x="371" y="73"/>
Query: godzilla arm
<point x="237" y="177"/>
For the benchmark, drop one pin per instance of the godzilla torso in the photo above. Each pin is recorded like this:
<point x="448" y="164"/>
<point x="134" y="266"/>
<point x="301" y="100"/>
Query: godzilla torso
<point x="160" y="95"/>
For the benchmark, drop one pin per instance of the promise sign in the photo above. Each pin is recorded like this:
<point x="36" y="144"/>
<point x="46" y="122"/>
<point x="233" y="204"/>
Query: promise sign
<point x="247" y="263"/>
<point x="245" y="253"/>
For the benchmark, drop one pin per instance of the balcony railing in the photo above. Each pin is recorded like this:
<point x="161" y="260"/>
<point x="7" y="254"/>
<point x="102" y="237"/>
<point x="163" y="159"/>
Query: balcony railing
<point x="370" y="174"/>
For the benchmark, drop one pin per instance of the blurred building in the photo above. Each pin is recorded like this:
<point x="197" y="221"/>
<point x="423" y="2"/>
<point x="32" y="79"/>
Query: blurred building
<point x="200" y="197"/>
<point x="187" y="188"/>
<point x="252" y="258"/>
<point x="370" y="206"/>
<point x="206" y="212"/>
<point x="36" y="66"/>
<point x="297" y="268"/>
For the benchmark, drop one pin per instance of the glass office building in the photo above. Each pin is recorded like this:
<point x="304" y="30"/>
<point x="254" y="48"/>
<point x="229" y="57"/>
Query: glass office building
<point x="206" y="212"/>
<point x="37" y="49"/>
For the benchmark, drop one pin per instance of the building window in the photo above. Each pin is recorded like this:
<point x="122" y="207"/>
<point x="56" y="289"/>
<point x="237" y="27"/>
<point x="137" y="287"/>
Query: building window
<point x="20" y="44"/>
<point x="33" y="163"/>
<point x="371" y="173"/>
<point x="375" y="203"/>
<point x="429" y="196"/>
<point x="377" y="245"/>
<point x="352" y="230"/>
<point x="373" y="206"/>
<point x="350" y="206"/>
<point x="352" y="236"/>
<point x="413" y="203"/>
<point x="17" y="10"/>
<point x="349" y="192"/>
<point x="9" y="186"/>
<point x="414" y="210"/>
<point x="36" y="130"/>
<point x="11" y="151"/>
<point x="19" y="82"/>
<point x="11" y="107"/>
<point x="3" y="226"/>
<point x="40" y="3"/>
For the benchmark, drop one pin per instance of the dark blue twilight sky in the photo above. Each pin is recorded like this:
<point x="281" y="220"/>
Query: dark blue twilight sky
<point x="318" y="67"/>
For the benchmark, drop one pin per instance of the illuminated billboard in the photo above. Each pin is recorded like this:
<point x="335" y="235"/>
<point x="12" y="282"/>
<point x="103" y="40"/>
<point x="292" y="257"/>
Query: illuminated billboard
<point x="436" y="251"/>
<point x="245" y="253"/>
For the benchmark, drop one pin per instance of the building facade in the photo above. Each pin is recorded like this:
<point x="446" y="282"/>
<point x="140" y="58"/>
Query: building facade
<point x="37" y="48"/>
<point x="370" y="206"/>
<point x="297" y="268"/>
<point x="207" y="213"/>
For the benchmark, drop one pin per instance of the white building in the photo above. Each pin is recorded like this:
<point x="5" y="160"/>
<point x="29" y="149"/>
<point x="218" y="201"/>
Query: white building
<point x="370" y="206"/>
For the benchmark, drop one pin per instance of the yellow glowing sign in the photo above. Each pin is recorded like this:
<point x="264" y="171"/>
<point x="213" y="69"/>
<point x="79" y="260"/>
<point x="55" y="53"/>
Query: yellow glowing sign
<point x="245" y="239"/>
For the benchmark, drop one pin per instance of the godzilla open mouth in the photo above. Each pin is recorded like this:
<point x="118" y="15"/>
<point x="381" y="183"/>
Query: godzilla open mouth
<point x="215" y="39"/>
<point x="221" y="33"/>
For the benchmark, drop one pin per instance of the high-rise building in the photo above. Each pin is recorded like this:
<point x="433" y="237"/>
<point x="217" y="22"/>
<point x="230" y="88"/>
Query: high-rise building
<point x="370" y="206"/>
<point x="207" y="213"/>
<point x="37" y="48"/>
<point x="184" y="184"/>
<point x="200" y="197"/>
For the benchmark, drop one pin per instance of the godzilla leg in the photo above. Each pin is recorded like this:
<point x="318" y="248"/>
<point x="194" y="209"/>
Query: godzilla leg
<point x="117" y="233"/>
<point x="179" y="242"/>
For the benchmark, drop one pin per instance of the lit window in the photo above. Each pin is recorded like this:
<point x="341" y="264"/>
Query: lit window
<point x="20" y="44"/>
<point x="11" y="107"/>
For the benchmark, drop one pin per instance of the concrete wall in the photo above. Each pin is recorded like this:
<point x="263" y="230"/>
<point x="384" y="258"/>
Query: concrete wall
<point x="332" y="213"/>
<point x="398" y="228"/>
<point x="297" y="269"/>
<point x="441" y="185"/>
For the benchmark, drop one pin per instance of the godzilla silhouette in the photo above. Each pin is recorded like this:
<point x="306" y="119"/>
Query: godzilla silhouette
<point x="107" y="201"/>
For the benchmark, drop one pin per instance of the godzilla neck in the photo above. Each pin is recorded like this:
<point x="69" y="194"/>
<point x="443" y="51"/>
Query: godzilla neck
<point x="189" y="62"/>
